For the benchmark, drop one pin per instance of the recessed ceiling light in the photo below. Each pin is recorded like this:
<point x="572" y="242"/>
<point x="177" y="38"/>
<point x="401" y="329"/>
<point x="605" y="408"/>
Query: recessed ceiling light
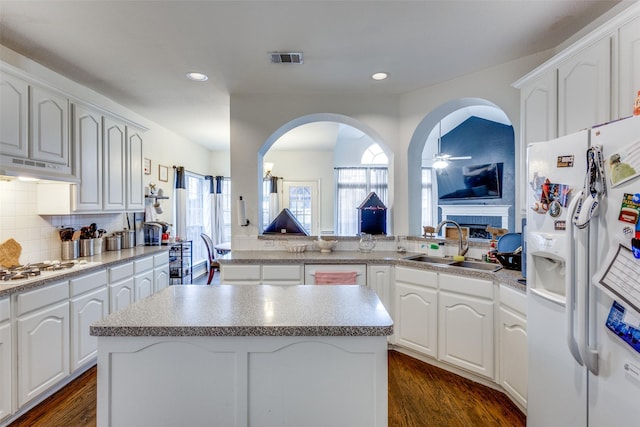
<point x="379" y="76"/>
<point x="198" y="77"/>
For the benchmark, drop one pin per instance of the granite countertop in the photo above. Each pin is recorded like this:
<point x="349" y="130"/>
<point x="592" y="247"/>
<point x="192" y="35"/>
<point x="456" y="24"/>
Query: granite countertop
<point x="192" y="310"/>
<point x="92" y="264"/>
<point x="502" y="276"/>
<point x="315" y="257"/>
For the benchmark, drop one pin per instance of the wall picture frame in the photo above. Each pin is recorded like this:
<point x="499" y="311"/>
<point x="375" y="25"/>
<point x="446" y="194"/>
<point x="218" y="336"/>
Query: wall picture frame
<point x="147" y="166"/>
<point x="163" y="173"/>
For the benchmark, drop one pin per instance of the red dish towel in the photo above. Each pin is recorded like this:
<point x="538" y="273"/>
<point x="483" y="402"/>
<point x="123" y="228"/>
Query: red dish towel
<point x="336" y="278"/>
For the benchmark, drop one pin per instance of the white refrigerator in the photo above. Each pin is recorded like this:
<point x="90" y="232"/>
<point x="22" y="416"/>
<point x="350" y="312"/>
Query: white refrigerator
<point x="584" y="356"/>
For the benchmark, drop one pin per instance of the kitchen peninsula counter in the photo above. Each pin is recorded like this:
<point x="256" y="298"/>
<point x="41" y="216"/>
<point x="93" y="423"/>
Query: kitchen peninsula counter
<point x="245" y="355"/>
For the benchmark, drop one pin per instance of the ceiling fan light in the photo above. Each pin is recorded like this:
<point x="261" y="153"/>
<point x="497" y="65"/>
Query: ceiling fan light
<point x="440" y="164"/>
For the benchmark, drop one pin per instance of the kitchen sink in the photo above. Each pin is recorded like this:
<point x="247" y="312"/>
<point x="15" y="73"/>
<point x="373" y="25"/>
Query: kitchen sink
<point x="484" y="266"/>
<point x="430" y="259"/>
<point x="475" y="265"/>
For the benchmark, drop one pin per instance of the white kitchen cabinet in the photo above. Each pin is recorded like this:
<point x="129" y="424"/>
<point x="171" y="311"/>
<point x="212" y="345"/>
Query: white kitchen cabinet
<point x="311" y="269"/>
<point x="87" y="131"/>
<point x="143" y="278"/>
<point x="89" y="302"/>
<point x="134" y="169"/>
<point x="379" y="279"/>
<point x="160" y="271"/>
<point x="416" y="311"/>
<point x="584" y="88"/>
<point x="538" y="106"/>
<point x="240" y="274"/>
<point x="629" y="64"/>
<point x="282" y="274"/>
<point x="6" y="352"/>
<point x="465" y="323"/>
<point x="513" y="344"/>
<point x="50" y="127"/>
<point x="114" y="164"/>
<point x="14" y="120"/>
<point x="121" y="286"/>
<point x="42" y="329"/>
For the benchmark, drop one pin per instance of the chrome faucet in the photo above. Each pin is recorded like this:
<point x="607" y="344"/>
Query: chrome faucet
<point x="462" y="248"/>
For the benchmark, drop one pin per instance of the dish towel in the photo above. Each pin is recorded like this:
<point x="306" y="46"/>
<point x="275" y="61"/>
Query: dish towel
<point x="336" y="277"/>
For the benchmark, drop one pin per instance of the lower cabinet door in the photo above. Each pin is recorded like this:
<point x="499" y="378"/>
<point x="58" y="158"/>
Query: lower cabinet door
<point x="143" y="285"/>
<point x="85" y="310"/>
<point x="120" y="295"/>
<point x="43" y="350"/>
<point x="513" y="355"/>
<point x="5" y="369"/>
<point x="465" y="336"/>
<point x="417" y="318"/>
<point x="161" y="278"/>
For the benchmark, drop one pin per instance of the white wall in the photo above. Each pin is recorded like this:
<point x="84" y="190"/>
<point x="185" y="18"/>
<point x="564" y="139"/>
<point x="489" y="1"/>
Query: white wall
<point x="395" y="118"/>
<point x="254" y="118"/>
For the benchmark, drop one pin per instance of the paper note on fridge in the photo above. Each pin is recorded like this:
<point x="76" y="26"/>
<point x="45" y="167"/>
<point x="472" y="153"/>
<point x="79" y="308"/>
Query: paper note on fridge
<point x="621" y="278"/>
<point x="625" y="164"/>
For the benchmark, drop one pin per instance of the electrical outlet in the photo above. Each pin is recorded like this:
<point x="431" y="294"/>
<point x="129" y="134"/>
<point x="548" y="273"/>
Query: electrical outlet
<point x="268" y="243"/>
<point x="281" y="243"/>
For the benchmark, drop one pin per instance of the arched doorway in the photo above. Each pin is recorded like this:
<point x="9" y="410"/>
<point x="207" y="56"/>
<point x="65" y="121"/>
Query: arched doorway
<point x="317" y="146"/>
<point x="430" y="124"/>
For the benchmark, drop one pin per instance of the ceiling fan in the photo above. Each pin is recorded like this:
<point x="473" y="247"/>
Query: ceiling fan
<point x="440" y="159"/>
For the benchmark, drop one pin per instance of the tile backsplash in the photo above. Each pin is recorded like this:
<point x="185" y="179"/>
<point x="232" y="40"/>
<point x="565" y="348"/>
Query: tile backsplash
<point x="38" y="234"/>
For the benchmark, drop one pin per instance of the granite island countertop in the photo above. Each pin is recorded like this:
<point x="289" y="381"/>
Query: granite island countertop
<point x="192" y="310"/>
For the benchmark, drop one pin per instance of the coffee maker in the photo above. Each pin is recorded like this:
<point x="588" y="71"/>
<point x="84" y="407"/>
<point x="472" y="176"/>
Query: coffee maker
<point x="152" y="234"/>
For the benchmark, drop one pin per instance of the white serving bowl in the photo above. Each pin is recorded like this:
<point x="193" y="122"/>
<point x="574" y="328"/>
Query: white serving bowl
<point x="296" y="248"/>
<point x="325" y="246"/>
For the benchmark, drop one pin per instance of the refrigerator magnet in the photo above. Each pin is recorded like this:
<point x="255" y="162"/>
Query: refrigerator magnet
<point x="555" y="209"/>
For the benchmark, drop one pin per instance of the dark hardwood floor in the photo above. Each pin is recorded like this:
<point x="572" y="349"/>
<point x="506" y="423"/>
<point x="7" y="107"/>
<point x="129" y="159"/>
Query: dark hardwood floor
<point x="419" y="395"/>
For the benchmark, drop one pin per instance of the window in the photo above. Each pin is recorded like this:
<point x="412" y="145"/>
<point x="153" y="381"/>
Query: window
<point x="374" y="156"/>
<point x="195" y="214"/>
<point x="352" y="187"/>
<point x="226" y="210"/>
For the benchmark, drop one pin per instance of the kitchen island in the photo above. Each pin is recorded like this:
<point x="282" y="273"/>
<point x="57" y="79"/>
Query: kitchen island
<point x="245" y="355"/>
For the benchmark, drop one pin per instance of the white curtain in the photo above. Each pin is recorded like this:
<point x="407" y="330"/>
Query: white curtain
<point x="352" y="187"/>
<point x="218" y="212"/>
<point x="180" y="203"/>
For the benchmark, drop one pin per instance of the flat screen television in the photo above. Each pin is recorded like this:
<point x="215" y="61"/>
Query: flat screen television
<point x="470" y="182"/>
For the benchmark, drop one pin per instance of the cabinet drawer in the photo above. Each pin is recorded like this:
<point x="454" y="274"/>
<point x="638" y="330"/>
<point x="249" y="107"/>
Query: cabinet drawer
<point x="513" y="299"/>
<point x="282" y="272"/>
<point x="4" y="309"/>
<point x="120" y="272"/>
<point x="41" y="297"/>
<point x="144" y="264"/>
<point x="241" y="272"/>
<point x="417" y="276"/>
<point x="161" y="259"/>
<point x="86" y="283"/>
<point x="466" y="285"/>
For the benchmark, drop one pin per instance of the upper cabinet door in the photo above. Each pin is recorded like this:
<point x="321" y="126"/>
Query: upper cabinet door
<point x="114" y="161"/>
<point x="539" y="108"/>
<point x="14" y="105"/>
<point x="49" y="126"/>
<point x="629" y="69"/>
<point x="87" y="127"/>
<point x="584" y="88"/>
<point x="135" y="191"/>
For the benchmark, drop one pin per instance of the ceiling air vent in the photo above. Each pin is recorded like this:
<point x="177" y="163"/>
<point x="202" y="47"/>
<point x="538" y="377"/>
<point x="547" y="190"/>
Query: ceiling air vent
<point x="286" y="57"/>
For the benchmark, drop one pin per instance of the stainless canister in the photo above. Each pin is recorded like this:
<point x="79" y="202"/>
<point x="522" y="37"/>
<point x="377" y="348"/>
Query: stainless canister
<point x="69" y="249"/>
<point x="97" y="245"/>
<point x="86" y="247"/>
<point x="114" y="242"/>
<point x="128" y="238"/>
